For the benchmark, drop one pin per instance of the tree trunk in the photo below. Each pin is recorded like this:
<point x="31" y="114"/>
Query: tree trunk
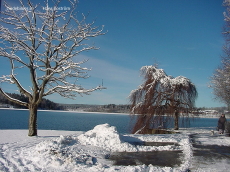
<point x="176" y="120"/>
<point x="33" y="120"/>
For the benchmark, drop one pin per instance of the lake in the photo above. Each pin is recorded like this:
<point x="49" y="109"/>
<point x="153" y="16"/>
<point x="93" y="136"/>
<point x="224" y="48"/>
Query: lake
<point x="78" y="121"/>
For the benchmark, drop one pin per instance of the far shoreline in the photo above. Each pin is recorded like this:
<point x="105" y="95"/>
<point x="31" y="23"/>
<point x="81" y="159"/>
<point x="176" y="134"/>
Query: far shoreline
<point x="110" y="113"/>
<point x="68" y="111"/>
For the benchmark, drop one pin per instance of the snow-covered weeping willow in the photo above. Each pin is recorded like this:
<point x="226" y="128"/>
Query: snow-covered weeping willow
<point x="161" y="95"/>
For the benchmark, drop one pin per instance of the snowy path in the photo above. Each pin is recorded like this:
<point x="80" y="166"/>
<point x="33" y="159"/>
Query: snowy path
<point x="210" y="153"/>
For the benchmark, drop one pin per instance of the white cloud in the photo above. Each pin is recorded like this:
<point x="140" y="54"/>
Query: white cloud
<point x="111" y="73"/>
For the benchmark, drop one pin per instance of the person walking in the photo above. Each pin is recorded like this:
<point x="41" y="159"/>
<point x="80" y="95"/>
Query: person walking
<point x="221" y="124"/>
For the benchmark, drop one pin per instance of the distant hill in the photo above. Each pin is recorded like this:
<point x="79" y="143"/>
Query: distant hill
<point x="109" y="108"/>
<point x="49" y="105"/>
<point x="45" y="103"/>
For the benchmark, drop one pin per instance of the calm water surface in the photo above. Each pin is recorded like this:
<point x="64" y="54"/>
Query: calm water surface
<point x="76" y="121"/>
<point x="59" y="120"/>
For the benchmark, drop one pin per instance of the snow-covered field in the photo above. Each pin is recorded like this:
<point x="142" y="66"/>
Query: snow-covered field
<point x="89" y="151"/>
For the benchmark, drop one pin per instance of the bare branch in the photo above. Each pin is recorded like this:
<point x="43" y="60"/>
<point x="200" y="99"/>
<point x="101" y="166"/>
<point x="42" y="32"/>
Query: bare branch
<point x="12" y="99"/>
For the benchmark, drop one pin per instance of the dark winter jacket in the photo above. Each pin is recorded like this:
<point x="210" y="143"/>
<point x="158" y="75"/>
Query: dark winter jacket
<point x="221" y="122"/>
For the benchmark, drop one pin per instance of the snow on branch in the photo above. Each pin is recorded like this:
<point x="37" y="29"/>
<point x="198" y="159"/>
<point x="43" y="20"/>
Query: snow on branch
<point x="70" y="91"/>
<point x="158" y="75"/>
<point x="12" y="99"/>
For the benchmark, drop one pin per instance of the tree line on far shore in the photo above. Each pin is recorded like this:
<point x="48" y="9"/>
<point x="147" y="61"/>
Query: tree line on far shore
<point x="50" y="105"/>
<point x="45" y="103"/>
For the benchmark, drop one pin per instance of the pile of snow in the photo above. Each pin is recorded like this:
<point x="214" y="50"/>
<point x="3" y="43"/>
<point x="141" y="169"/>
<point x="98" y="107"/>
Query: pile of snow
<point x="106" y="137"/>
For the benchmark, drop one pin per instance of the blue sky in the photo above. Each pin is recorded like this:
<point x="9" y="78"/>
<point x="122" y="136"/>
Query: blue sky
<point x="182" y="36"/>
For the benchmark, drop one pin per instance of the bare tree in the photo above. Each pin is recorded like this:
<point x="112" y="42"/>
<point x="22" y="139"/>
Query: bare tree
<point x="161" y="96"/>
<point x="45" y="41"/>
<point x="220" y="80"/>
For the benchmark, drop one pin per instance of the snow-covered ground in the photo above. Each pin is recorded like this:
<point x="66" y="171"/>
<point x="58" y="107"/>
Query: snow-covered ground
<point x="89" y="151"/>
